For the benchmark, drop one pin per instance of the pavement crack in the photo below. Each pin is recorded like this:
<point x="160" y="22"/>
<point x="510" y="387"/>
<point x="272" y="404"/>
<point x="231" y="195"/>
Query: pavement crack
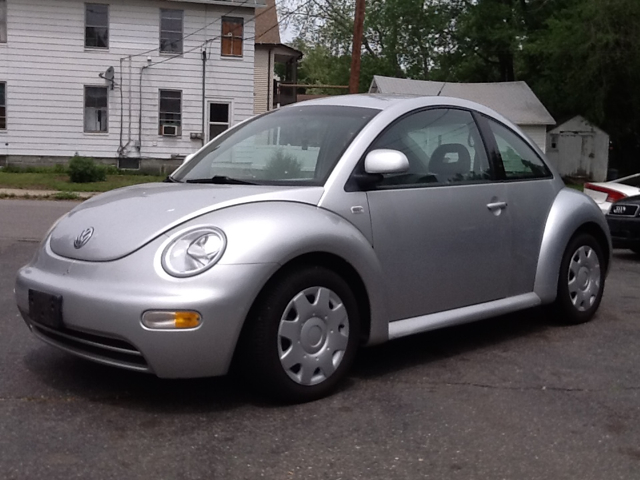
<point x="528" y="387"/>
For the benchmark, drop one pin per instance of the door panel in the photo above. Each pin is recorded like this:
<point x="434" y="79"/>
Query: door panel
<point x="441" y="247"/>
<point x="440" y="229"/>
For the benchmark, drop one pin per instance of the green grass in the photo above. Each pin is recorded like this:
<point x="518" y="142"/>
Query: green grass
<point x="575" y="186"/>
<point x="61" y="183"/>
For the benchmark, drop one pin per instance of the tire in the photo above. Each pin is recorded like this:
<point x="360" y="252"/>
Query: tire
<point x="302" y="335"/>
<point x="581" y="280"/>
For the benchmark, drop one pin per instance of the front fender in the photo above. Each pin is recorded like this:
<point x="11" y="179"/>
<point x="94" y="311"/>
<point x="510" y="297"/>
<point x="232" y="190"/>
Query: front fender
<point x="278" y="232"/>
<point x="571" y="211"/>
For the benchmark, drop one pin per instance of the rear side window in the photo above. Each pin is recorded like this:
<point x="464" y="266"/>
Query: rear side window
<point x="520" y="161"/>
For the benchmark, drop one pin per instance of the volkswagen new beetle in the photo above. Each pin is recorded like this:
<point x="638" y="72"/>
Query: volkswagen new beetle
<point x="294" y="238"/>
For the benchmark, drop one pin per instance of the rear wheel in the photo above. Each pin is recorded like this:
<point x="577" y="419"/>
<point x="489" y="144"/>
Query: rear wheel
<point x="302" y="336"/>
<point x="581" y="280"/>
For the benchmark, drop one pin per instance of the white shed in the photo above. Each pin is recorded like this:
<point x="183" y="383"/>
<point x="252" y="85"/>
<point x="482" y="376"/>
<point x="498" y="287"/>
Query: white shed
<point x="579" y="149"/>
<point x="515" y="100"/>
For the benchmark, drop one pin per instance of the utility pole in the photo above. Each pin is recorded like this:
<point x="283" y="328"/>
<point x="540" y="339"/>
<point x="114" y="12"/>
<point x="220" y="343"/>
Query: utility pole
<point x="358" y="26"/>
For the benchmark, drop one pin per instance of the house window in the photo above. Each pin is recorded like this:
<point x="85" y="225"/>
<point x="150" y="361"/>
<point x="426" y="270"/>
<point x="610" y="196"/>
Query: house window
<point x="218" y="119"/>
<point x="554" y="141"/>
<point x="232" y="31"/>
<point x="96" y="25"/>
<point x="96" y="109"/>
<point x="3" y="106"/>
<point x="170" y="112"/>
<point x="171" y="27"/>
<point x="3" y="21"/>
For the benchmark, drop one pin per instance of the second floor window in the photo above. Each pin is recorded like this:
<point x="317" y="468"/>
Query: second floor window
<point x="96" y="109"/>
<point x="3" y="21"/>
<point x="96" y="29"/>
<point x="3" y="106"/>
<point x="171" y="28"/>
<point x="232" y="32"/>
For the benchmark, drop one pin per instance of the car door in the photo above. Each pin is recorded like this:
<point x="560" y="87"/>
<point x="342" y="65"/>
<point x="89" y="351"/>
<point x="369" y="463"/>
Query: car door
<point x="530" y="190"/>
<point x="441" y="229"/>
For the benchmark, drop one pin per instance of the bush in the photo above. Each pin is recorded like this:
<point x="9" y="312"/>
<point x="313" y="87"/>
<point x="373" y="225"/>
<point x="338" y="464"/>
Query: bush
<point x="282" y="165"/>
<point x="85" y="170"/>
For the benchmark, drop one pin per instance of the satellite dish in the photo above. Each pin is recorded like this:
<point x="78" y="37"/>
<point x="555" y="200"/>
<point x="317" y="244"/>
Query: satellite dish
<point x="109" y="74"/>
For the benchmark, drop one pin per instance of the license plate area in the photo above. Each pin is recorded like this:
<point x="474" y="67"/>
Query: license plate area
<point x="45" y="309"/>
<point x="624" y="210"/>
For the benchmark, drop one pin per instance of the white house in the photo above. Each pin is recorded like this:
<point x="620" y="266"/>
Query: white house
<point x="132" y="82"/>
<point x="514" y="100"/>
<point x="579" y="149"/>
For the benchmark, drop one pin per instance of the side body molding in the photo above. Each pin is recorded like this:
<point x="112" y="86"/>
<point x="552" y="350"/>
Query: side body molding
<point x="570" y="211"/>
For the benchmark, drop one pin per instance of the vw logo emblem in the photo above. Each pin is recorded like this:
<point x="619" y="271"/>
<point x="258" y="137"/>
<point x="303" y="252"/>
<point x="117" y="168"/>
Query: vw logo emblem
<point x="82" y="239"/>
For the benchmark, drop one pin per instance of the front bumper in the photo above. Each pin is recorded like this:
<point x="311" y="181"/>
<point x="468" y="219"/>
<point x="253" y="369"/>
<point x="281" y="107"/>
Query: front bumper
<point x="625" y="232"/>
<point x="103" y="303"/>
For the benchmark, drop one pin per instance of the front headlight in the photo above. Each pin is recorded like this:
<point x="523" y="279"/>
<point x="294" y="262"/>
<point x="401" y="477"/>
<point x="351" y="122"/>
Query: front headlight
<point x="193" y="251"/>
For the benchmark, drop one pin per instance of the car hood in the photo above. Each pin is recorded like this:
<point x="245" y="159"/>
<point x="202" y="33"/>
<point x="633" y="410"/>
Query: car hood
<point x="121" y="221"/>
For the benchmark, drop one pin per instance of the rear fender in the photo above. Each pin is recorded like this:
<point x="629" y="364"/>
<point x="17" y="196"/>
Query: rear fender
<point x="571" y="211"/>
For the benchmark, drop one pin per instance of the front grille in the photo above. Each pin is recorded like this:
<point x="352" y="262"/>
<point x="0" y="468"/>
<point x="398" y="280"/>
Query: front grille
<point x="101" y="349"/>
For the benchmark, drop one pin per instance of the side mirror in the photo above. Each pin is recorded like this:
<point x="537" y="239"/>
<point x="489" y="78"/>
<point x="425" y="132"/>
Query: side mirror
<point x="386" y="161"/>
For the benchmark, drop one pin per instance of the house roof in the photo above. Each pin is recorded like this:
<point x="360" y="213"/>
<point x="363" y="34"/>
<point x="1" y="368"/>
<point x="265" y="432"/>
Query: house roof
<point x="515" y="100"/>
<point x="577" y="123"/>
<point x="267" y="28"/>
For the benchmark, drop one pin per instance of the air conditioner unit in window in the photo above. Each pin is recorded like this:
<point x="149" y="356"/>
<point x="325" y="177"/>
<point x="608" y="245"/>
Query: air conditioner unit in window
<point x="170" y="130"/>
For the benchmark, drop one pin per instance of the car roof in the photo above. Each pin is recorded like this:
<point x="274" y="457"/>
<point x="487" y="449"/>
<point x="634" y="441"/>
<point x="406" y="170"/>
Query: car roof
<point x="399" y="103"/>
<point x="380" y="101"/>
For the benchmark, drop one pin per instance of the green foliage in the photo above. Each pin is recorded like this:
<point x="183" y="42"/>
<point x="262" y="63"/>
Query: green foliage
<point x="85" y="170"/>
<point x="66" y="196"/>
<point x="282" y="165"/>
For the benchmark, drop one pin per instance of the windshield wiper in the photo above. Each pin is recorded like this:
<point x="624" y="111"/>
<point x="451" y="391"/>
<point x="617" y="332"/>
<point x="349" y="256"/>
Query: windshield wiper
<point x="221" y="180"/>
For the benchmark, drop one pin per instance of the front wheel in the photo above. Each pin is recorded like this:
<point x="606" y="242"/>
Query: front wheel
<point x="302" y="335"/>
<point x="581" y="280"/>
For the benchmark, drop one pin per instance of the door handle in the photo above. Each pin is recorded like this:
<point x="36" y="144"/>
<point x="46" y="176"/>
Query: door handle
<point x="497" y="205"/>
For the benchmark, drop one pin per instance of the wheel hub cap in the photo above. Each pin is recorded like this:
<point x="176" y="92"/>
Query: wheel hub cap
<point x="313" y="335"/>
<point x="584" y="278"/>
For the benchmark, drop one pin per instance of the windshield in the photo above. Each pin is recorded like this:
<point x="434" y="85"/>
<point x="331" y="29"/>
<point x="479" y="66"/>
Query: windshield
<point x="293" y="146"/>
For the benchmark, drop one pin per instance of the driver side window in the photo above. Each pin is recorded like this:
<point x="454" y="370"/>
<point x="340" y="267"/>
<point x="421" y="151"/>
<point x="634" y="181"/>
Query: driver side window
<point x="443" y="146"/>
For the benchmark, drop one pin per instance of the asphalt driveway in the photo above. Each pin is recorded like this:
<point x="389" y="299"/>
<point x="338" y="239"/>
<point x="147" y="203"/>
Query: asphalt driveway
<point x="511" y="398"/>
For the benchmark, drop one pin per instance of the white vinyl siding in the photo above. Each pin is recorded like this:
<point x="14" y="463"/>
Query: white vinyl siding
<point x="47" y="66"/>
<point x="537" y="133"/>
<point x="263" y="88"/>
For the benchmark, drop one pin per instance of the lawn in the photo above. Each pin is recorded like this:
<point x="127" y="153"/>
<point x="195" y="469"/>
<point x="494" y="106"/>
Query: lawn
<point x="60" y="182"/>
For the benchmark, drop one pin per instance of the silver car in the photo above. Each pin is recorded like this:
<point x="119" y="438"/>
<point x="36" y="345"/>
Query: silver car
<point x="298" y="236"/>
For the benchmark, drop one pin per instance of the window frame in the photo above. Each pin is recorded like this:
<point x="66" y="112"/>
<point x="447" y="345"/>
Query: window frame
<point x="84" y="115"/>
<point x="4" y="29"/>
<point x="181" y="33"/>
<point x="86" y="26"/>
<point x="3" y="104"/>
<point x="231" y="37"/>
<point x="492" y="144"/>
<point x="209" y="122"/>
<point x="354" y="185"/>
<point x="160" y="112"/>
